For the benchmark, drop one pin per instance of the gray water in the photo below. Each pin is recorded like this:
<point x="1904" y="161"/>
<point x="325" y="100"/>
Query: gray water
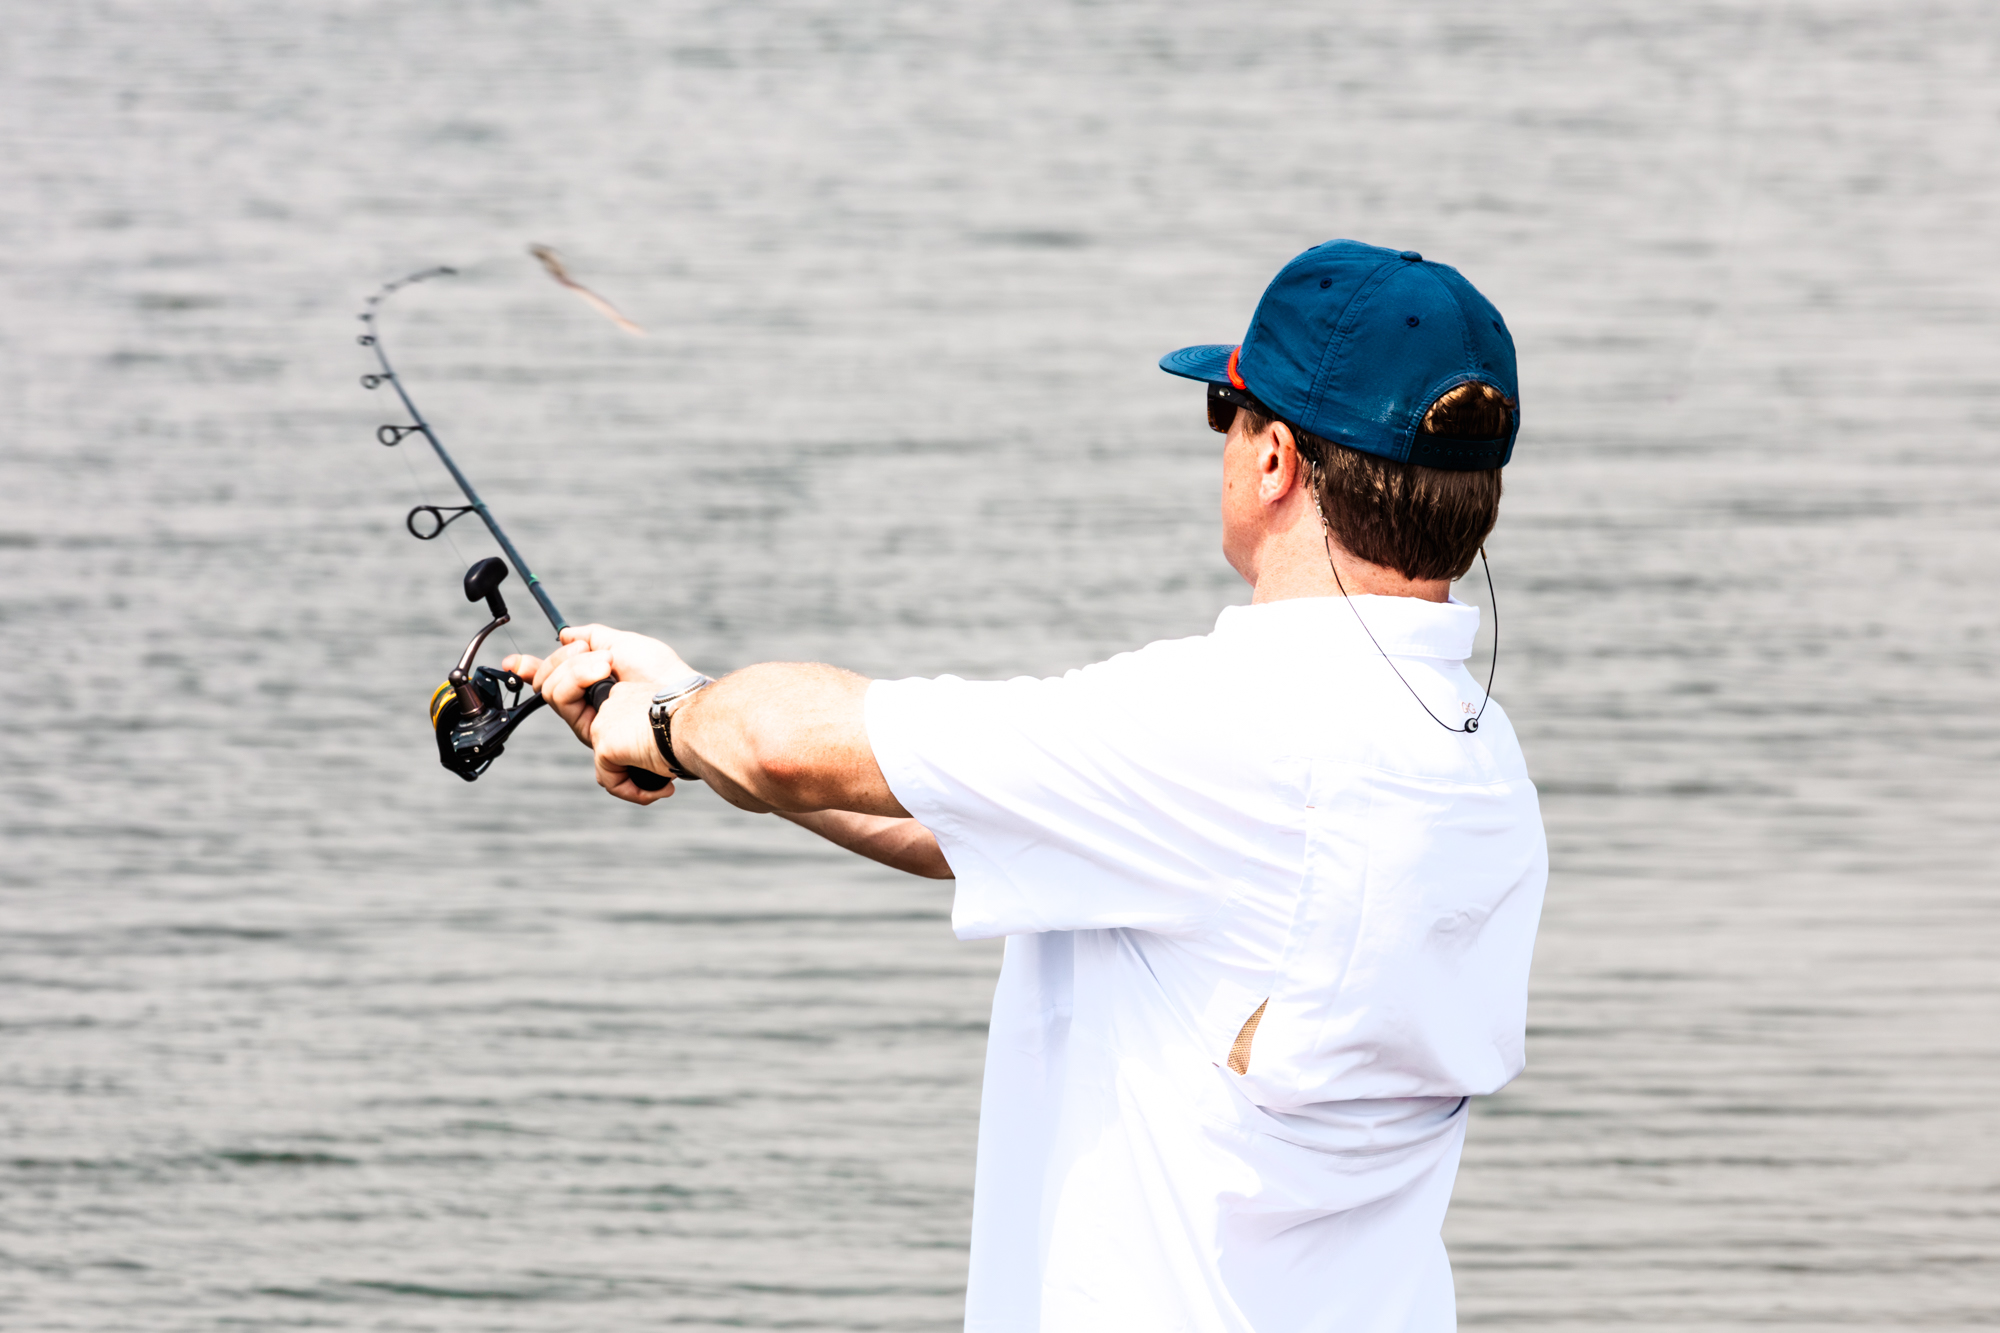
<point x="297" y="1030"/>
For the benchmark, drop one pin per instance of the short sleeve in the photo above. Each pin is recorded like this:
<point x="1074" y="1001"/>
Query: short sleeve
<point x="1071" y="803"/>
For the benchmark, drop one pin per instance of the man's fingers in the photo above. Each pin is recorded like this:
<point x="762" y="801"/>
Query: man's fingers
<point x="572" y="648"/>
<point x="617" y="779"/>
<point x="525" y="665"/>
<point x="633" y="656"/>
<point x="565" y="685"/>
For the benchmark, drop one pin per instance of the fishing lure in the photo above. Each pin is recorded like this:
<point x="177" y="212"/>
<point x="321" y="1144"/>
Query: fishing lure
<point x="552" y="262"/>
<point x="471" y="721"/>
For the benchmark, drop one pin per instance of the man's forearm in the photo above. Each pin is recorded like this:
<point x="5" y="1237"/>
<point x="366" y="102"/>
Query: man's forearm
<point x="903" y="844"/>
<point x="789" y="738"/>
<point x="786" y="737"/>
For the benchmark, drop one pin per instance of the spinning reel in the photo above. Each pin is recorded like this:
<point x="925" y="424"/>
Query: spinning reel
<point x="471" y="722"/>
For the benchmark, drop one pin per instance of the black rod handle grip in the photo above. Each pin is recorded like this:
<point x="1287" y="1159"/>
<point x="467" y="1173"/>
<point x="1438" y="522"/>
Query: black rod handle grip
<point x="645" y="779"/>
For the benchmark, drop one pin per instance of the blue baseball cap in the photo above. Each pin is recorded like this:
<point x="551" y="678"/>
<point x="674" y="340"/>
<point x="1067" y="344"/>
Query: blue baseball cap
<point x="1353" y="343"/>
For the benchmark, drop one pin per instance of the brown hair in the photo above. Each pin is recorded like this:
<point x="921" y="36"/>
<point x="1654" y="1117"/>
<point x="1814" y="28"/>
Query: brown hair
<point x="1423" y="522"/>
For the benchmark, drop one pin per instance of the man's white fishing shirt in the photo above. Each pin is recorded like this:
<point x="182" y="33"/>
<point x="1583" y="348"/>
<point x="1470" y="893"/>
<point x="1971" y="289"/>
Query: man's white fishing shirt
<point x="1261" y="816"/>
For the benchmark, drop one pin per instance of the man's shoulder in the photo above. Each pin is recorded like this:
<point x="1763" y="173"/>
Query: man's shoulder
<point x="1249" y="644"/>
<point x="1160" y="658"/>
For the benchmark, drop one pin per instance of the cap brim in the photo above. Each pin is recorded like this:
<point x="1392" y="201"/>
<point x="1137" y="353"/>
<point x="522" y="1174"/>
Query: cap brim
<point x="1208" y="363"/>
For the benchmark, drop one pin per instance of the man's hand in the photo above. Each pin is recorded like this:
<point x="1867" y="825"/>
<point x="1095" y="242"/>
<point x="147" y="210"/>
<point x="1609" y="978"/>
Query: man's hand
<point x="620" y="734"/>
<point x="788" y="737"/>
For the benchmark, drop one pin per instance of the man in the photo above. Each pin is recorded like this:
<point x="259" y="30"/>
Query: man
<point x="1269" y="894"/>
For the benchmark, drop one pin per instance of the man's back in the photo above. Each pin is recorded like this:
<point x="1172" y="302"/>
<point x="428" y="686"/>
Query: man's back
<point x="1259" y="821"/>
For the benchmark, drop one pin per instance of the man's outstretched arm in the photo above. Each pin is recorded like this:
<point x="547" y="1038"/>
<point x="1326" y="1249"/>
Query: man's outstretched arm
<point x="783" y="737"/>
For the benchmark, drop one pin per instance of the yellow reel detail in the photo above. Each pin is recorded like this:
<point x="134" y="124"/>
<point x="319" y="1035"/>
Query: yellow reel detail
<point x="441" y="698"/>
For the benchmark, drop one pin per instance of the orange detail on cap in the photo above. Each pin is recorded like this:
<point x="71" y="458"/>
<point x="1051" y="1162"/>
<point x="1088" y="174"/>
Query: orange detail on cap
<point x="1235" y="378"/>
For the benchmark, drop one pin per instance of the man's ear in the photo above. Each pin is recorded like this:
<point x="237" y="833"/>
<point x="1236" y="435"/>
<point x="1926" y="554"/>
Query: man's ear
<point x="1277" y="463"/>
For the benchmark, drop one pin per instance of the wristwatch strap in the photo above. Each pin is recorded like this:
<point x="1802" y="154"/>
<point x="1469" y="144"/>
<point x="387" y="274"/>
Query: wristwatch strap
<point x="661" y="714"/>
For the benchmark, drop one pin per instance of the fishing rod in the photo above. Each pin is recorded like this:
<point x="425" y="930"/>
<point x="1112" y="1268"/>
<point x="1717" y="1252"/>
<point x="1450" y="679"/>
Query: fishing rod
<point x="468" y="717"/>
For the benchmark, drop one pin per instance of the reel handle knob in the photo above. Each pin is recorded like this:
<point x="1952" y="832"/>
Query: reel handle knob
<point x="484" y="580"/>
<point x="645" y="779"/>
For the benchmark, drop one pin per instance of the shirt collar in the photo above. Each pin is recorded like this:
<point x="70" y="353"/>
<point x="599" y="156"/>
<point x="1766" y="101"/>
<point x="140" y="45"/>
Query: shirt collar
<point x="1403" y="626"/>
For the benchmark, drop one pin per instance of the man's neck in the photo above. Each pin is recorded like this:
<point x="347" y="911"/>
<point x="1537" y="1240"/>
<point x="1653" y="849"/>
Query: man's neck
<point x="1295" y="564"/>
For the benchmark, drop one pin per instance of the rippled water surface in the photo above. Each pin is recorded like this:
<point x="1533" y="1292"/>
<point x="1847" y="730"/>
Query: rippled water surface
<point x="297" y="1030"/>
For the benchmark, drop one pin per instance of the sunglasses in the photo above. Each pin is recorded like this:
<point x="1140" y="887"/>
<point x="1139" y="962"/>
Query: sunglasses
<point x="1223" y="402"/>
